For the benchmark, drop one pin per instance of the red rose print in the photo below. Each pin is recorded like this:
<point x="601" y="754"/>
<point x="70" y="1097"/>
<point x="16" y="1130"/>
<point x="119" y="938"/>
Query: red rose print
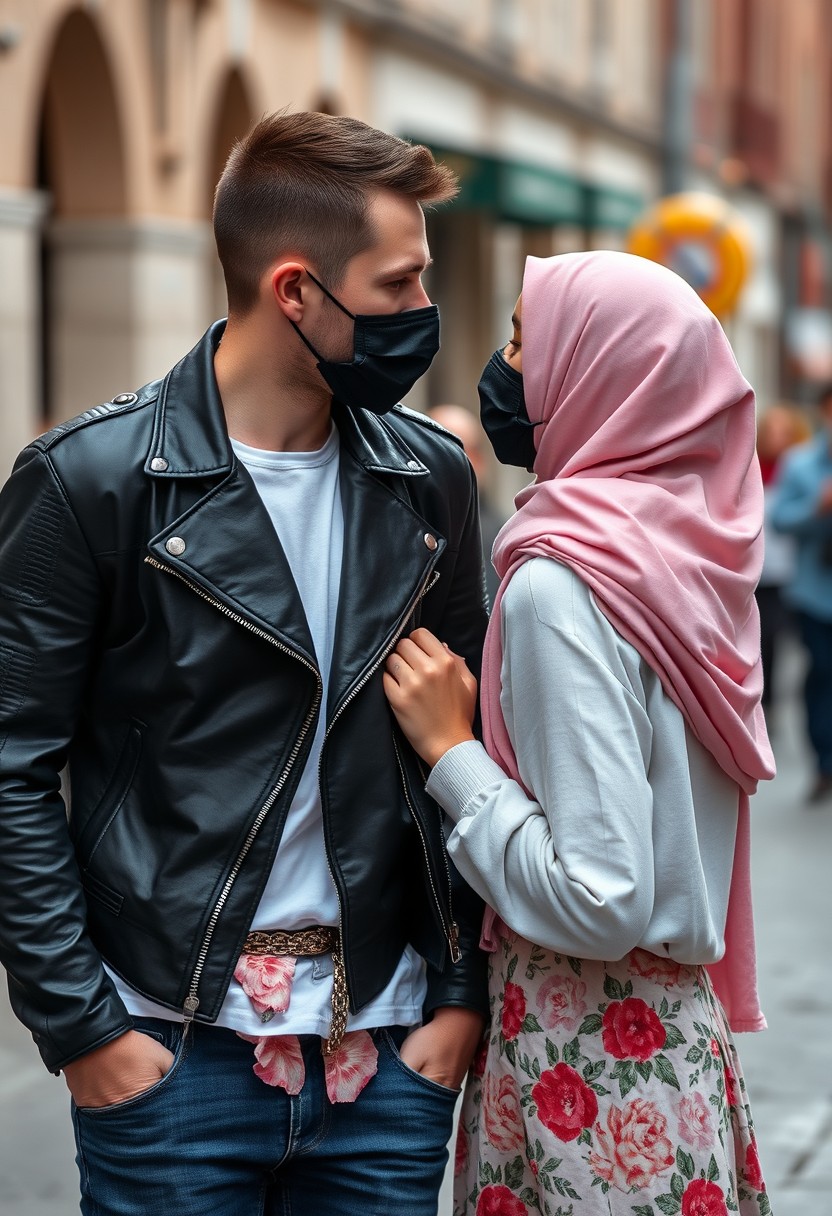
<point x="653" y="967"/>
<point x="478" y="1067"/>
<point x="565" y="1103"/>
<point x="703" y="1198"/>
<point x="461" y="1157"/>
<point x="631" y="1030"/>
<point x="499" y="1201"/>
<point x="732" y="1093"/>
<point x="633" y="1149"/>
<point x="514" y="1010"/>
<point x="561" y="1004"/>
<point x="751" y="1169"/>
<point x="501" y="1115"/>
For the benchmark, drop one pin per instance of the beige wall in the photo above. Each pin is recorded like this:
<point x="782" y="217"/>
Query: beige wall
<point x="120" y="113"/>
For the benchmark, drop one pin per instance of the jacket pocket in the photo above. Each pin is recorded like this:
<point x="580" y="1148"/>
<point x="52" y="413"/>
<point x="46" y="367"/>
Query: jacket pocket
<point x="112" y="799"/>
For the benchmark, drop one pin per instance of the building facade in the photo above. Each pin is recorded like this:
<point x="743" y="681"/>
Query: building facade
<point x="120" y="114"/>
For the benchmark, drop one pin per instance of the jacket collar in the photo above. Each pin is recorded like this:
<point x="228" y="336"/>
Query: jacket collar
<point x="190" y="437"/>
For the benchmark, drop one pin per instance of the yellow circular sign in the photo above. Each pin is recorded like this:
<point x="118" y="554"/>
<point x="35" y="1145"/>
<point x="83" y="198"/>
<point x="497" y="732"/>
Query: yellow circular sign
<point x="703" y="239"/>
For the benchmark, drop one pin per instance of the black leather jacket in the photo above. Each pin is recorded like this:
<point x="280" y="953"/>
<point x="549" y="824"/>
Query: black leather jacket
<point x="152" y="637"/>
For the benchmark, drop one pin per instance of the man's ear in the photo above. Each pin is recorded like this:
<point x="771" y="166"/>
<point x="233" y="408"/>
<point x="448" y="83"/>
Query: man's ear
<point x="289" y="285"/>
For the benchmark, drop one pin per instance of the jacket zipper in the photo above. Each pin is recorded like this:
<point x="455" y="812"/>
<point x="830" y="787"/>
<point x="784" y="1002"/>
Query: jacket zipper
<point x="454" y="944"/>
<point x="430" y="581"/>
<point x="192" y="1000"/>
<point x="450" y="929"/>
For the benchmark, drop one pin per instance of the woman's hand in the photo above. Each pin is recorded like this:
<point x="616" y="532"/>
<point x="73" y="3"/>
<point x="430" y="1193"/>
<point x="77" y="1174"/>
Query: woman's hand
<point x="432" y="693"/>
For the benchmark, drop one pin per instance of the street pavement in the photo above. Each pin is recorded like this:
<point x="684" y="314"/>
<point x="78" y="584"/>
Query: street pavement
<point x="788" y="1069"/>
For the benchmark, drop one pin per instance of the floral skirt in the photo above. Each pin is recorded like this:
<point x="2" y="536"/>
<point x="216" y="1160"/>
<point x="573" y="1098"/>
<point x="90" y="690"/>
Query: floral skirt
<point x="608" y="1088"/>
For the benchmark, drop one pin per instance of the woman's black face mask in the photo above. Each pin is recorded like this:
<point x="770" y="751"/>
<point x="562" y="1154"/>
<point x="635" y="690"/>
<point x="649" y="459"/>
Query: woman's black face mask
<point x="503" y="413"/>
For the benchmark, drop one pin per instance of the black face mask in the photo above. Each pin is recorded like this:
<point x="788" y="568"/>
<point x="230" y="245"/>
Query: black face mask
<point x="390" y="352"/>
<point x="503" y="413"/>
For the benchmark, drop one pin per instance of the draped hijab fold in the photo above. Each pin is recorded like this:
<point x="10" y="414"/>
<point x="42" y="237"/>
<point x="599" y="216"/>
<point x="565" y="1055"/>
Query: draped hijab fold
<point x="648" y="487"/>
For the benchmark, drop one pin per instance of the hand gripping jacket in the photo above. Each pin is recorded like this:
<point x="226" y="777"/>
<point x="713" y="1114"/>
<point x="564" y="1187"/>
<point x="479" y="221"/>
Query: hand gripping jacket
<point x="153" y="642"/>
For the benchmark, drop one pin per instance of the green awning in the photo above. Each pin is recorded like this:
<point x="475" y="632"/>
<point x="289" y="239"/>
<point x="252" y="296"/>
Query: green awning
<point x="525" y="193"/>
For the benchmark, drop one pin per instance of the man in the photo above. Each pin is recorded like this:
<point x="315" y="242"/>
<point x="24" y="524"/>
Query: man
<point x="463" y="424"/>
<point x="200" y="583"/>
<point x="802" y="508"/>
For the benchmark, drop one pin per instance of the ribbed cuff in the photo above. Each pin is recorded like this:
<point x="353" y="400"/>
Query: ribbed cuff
<point x="461" y="774"/>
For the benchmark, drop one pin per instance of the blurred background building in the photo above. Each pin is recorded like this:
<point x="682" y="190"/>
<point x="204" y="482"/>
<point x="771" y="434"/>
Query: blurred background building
<point x="563" y="118"/>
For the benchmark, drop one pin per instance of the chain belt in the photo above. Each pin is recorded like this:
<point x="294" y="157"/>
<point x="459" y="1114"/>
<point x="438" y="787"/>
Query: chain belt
<point x="306" y="943"/>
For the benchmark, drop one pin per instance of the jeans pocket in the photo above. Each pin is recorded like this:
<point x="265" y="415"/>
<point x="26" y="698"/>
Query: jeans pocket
<point x="436" y="1087"/>
<point x="172" y="1036"/>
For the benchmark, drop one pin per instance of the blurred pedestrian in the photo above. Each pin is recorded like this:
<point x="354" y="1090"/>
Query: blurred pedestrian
<point x="463" y="424"/>
<point x="247" y="950"/>
<point x="609" y="817"/>
<point x="802" y="509"/>
<point x="778" y="429"/>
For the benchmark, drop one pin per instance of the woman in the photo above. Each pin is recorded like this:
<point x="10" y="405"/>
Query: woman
<point x="607" y="823"/>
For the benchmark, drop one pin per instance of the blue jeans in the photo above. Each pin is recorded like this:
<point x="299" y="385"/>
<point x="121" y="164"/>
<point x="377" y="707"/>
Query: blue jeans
<point x="817" y="691"/>
<point x="211" y="1139"/>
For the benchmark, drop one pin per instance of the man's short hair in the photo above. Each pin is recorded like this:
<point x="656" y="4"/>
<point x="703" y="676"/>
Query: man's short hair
<point x="299" y="183"/>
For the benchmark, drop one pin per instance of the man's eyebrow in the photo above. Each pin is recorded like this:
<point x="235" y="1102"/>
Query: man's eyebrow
<point x="399" y="272"/>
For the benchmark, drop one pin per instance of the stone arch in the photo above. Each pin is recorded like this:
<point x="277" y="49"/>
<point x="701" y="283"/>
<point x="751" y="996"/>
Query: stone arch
<point x="233" y="116"/>
<point x="81" y="148"/>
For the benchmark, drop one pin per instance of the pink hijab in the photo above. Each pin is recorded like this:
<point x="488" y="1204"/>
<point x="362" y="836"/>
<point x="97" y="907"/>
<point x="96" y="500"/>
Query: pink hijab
<point x="648" y="488"/>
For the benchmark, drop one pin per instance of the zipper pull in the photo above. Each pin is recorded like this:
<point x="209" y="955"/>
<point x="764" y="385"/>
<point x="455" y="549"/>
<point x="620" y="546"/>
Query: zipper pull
<point x="453" y="942"/>
<point x="189" y="1009"/>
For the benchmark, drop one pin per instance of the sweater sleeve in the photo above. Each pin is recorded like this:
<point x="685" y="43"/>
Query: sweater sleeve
<point x="565" y="858"/>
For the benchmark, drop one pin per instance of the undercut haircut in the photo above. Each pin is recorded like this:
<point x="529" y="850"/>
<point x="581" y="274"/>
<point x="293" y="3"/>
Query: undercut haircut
<point x="300" y="184"/>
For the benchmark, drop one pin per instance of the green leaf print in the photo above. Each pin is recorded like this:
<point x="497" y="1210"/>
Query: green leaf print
<point x="685" y="1163"/>
<point x="575" y="964"/>
<point x="572" y="1052"/>
<point x="664" y="1009"/>
<point x="713" y="1169"/>
<point x="591" y="1024"/>
<point x="585" y="1137"/>
<point x="644" y="1068"/>
<point x="665" y="1071"/>
<point x="694" y="1054"/>
<point x="668" y="1204"/>
<point x="677" y="1186"/>
<point x="510" y="1052"/>
<point x="643" y="1209"/>
<point x="565" y="1188"/>
<point x="514" y="1173"/>
<point x="675" y="1038"/>
<point x="593" y="1071"/>
<point x="531" y="1024"/>
<point x="625" y="1074"/>
<point x="613" y="989"/>
<point x="765" y="1206"/>
<point x="512" y="967"/>
<point x="552" y="1051"/>
<point x="529" y="1197"/>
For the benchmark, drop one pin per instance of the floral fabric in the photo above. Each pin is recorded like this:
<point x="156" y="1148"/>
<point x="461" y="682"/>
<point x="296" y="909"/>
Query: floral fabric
<point x="605" y="1088"/>
<point x="267" y="981"/>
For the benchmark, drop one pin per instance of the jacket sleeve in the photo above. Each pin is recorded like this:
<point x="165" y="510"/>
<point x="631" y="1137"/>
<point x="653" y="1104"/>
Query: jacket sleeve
<point x="464" y="621"/>
<point x="50" y="602"/>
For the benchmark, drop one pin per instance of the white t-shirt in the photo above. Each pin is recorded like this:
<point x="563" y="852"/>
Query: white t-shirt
<point x="300" y="491"/>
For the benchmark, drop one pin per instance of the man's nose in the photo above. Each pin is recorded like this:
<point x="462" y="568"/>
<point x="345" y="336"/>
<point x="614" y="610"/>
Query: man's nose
<point x="421" y="299"/>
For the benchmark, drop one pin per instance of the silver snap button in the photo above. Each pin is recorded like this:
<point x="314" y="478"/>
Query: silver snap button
<point x="124" y="398"/>
<point x="175" y="545"/>
<point x="413" y="464"/>
<point x="158" y="464"/>
<point x="431" y="541"/>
